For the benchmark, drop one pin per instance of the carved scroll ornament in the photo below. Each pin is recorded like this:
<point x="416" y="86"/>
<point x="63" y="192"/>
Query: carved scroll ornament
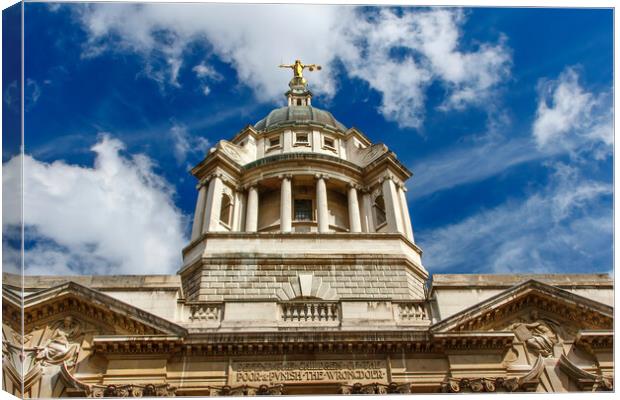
<point x="537" y="335"/>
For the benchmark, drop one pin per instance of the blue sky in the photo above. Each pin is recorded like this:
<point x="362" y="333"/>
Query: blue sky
<point x="504" y="115"/>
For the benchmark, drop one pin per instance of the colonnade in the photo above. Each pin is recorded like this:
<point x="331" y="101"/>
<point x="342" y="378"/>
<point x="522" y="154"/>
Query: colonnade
<point x="207" y="214"/>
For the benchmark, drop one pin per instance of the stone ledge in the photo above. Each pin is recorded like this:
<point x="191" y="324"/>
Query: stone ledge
<point x="463" y="281"/>
<point x="107" y="282"/>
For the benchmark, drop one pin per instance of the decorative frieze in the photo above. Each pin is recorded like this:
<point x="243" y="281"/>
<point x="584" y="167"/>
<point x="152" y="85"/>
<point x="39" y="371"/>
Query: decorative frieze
<point x="477" y="385"/>
<point x="246" y="390"/>
<point x="308" y="371"/>
<point x="131" y="390"/>
<point x="375" y="388"/>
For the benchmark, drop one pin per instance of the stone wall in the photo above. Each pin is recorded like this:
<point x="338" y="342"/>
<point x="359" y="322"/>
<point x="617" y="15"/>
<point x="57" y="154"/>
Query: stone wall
<point x="251" y="280"/>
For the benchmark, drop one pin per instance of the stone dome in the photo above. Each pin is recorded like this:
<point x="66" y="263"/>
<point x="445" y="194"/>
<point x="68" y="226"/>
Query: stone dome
<point x="298" y="114"/>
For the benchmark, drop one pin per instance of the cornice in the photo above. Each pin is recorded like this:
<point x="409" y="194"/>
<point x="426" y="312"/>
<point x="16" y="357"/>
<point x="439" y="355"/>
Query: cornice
<point x="305" y="156"/>
<point x="72" y="297"/>
<point x="287" y="342"/>
<point x="531" y="293"/>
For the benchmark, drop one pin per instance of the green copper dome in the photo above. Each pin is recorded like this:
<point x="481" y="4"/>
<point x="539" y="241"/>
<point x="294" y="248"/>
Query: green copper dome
<point x="298" y="114"/>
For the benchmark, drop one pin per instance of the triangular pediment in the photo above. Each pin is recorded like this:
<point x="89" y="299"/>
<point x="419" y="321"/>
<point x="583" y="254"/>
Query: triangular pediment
<point x="519" y="303"/>
<point x="73" y="299"/>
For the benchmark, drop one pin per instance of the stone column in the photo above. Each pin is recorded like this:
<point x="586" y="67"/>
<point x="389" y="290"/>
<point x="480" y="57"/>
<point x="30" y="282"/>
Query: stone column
<point x="238" y="210"/>
<point x="211" y="221"/>
<point x="321" y="204"/>
<point x="369" y="223"/>
<point x="392" y="206"/>
<point x="285" y="204"/>
<point x="251" y="219"/>
<point x="200" y="210"/>
<point x="405" y="209"/>
<point x="355" y="224"/>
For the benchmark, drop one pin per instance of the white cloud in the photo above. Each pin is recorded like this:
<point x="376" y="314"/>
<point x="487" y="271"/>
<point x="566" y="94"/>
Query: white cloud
<point x="572" y="118"/>
<point x="206" y="74"/>
<point x="397" y="54"/>
<point x="469" y="163"/>
<point x="242" y="35"/>
<point x="33" y="92"/>
<point x="203" y="70"/>
<point x="400" y="54"/>
<point x="564" y="228"/>
<point x="577" y="123"/>
<point x="185" y="144"/>
<point x="116" y="217"/>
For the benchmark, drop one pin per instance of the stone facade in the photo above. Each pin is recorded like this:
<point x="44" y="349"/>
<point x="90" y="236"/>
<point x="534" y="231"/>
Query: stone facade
<point x="302" y="276"/>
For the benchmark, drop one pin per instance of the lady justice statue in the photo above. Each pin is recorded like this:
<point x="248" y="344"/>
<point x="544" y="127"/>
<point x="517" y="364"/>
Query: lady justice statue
<point x="298" y="69"/>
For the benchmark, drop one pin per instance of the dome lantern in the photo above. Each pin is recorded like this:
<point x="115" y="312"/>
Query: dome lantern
<point x="299" y="95"/>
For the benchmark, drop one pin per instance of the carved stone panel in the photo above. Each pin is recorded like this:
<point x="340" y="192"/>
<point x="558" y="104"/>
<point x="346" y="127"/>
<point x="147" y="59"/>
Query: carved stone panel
<point x="311" y="371"/>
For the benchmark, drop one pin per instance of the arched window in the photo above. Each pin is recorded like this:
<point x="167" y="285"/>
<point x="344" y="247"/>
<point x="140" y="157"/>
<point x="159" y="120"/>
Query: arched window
<point x="379" y="207"/>
<point x="226" y="209"/>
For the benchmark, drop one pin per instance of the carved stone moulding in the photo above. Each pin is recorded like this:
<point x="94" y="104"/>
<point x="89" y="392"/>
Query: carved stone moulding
<point x="595" y="339"/>
<point x="472" y="340"/>
<point x="270" y="343"/>
<point x="570" y="312"/>
<point x="376" y="388"/>
<point x="477" y="385"/>
<point x="148" y="390"/>
<point x="81" y="389"/>
<point x="585" y="380"/>
<point x="136" y="344"/>
<point x="247" y="390"/>
<point x="69" y="304"/>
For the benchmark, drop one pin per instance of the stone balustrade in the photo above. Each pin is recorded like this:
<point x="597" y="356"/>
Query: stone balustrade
<point x="311" y="311"/>
<point x="205" y="312"/>
<point x="307" y="313"/>
<point x="412" y="311"/>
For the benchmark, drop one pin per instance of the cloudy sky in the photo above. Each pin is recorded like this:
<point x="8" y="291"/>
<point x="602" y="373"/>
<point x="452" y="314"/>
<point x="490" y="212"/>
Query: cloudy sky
<point x="503" y="115"/>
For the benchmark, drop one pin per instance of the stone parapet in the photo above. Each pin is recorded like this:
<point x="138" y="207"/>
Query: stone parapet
<point x="309" y="314"/>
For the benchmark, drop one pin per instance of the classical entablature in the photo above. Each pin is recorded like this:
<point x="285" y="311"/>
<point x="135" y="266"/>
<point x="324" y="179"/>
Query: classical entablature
<point x="529" y="337"/>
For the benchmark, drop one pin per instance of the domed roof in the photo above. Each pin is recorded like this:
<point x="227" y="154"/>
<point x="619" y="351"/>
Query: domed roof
<point x="298" y="114"/>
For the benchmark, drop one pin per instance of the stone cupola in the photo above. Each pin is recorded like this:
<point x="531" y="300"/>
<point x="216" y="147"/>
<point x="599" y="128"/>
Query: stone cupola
<point x="300" y="194"/>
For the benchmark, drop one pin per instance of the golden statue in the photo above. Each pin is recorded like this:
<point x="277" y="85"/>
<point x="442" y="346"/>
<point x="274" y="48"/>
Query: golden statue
<point x="298" y="69"/>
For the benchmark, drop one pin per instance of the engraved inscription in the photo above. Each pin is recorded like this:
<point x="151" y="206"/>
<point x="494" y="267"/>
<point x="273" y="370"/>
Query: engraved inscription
<point x="261" y="372"/>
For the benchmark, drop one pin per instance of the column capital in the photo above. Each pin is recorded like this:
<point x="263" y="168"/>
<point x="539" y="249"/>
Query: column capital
<point x="387" y="177"/>
<point x="214" y="175"/>
<point x="322" y="176"/>
<point x="248" y="185"/>
<point x="285" y="176"/>
<point x="353" y="185"/>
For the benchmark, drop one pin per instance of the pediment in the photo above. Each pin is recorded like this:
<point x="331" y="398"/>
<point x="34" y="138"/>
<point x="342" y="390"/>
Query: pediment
<point x="99" y="309"/>
<point x="525" y="303"/>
